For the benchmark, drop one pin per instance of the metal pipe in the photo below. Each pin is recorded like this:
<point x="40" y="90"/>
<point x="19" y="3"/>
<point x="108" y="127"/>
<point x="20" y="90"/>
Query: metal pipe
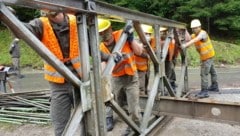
<point x="98" y="94"/>
<point x="146" y="44"/>
<point x="149" y="104"/>
<point x="124" y="116"/>
<point x="152" y="126"/>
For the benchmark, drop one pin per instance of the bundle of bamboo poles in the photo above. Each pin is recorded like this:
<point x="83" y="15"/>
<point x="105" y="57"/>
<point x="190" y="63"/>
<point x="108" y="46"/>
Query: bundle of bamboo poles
<point x="25" y="107"/>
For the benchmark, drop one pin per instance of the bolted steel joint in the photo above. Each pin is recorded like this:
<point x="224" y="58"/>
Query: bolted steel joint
<point x="90" y="5"/>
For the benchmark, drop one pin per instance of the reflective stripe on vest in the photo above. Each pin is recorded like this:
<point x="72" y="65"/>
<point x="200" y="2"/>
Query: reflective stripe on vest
<point x="171" y="49"/>
<point x="205" y="49"/>
<point x="49" y="39"/>
<point x="127" y="66"/>
<point x="141" y="63"/>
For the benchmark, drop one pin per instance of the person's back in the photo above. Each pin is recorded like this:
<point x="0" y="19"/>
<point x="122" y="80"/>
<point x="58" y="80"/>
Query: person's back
<point x="143" y="60"/>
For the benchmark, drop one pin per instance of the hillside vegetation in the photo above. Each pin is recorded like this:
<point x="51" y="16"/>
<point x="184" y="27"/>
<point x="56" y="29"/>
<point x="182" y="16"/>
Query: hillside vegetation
<point x="226" y="53"/>
<point x="28" y="56"/>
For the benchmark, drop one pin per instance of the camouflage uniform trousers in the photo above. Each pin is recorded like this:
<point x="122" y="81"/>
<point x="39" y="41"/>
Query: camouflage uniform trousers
<point x="16" y="65"/>
<point x="170" y="70"/>
<point x="129" y="86"/>
<point x="61" y="103"/>
<point x="207" y="67"/>
<point x="143" y="81"/>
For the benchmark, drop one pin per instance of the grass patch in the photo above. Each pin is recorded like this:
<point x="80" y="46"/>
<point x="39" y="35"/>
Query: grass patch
<point x="28" y="56"/>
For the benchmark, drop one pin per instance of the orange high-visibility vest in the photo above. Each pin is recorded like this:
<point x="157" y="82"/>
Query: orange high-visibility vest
<point x="141" y="62"/>
<point x="127" y="66"/>
<point x="204" y="48"/>
<point x="49" y="39"/>
<point x="172" y="51"/>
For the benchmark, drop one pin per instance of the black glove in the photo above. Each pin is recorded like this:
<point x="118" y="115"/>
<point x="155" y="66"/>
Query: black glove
<point x="129" y="30"/>
<point x="130" y="37"/>
<point x="117" y="56"/>
<point x="145" y="55"/>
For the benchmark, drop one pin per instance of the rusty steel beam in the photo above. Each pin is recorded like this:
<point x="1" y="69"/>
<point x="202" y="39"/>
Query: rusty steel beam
<point x="204" y="109"/>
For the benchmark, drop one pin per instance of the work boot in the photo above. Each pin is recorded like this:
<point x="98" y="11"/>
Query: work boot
<point x="202" y="94"/>
<point x="109" y="123"/>
<point x="127" y="131"/>
<point x="214" y="87"/>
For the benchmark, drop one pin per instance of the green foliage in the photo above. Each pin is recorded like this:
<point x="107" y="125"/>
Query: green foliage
<point x="220" y="17"/>
<point x="226" y="53"/>
<point x="193" y="57"/>
<point x="26" y="14"/>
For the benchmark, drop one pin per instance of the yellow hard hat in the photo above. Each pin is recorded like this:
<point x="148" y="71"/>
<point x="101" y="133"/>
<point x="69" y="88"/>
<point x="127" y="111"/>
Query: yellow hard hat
<point x="195" y="23"/>
<point x="103" y="24"/>
<point x="147" y="28"/>
<point x="162" y="29"/>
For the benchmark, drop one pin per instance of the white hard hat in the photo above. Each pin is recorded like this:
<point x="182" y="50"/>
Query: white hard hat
<point x="195" y="23"/>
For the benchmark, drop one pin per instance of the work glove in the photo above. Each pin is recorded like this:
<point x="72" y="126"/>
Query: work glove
<point x="129" y="30"/>
<point x="183" y="46"/>
<point x="117" y="56"/>
<point x="145" y="55"/>
<point x="104" y="56"/>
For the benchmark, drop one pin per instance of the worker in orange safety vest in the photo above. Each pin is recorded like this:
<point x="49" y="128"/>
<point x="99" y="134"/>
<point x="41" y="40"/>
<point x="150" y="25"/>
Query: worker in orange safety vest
<point x="170" y="61"/>
<point x="143" y="61"/>
<point x="58" y="32"/>
<point x="124" y="74"/>
<point x="204" y="47"/>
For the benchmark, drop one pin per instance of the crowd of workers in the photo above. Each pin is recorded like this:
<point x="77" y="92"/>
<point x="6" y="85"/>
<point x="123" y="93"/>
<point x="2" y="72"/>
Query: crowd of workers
<point x="58" y="32"/>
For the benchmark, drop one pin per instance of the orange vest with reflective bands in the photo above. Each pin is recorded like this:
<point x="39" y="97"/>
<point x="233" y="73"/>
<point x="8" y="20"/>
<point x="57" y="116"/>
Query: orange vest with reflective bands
<point x="173" y="51"/>
<point x="126" y="66"/>
<point x="204" y="48"/>
<point x="141" y="62"/>
<point x="49" y="39"/>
